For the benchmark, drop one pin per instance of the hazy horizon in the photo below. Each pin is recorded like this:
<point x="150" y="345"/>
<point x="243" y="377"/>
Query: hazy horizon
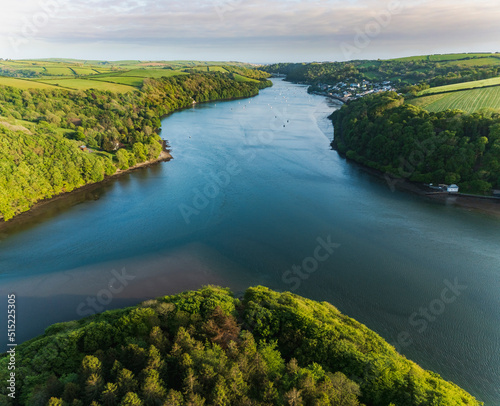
<point x="253" y="31"/>
<point x="232" y="60"/>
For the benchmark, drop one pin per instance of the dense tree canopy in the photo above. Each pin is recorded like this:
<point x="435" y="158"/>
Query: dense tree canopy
<point x="408" y="142"/>
<point x="209" y="348"/>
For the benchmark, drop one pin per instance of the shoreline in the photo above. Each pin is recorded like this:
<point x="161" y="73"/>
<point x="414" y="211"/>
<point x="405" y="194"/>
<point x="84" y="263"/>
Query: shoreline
<point x="165" y="156"/>
<point x="479" y="204"/>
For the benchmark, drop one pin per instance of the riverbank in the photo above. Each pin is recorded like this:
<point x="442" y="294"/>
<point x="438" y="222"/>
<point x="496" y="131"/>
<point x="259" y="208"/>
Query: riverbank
<point x="472" y="203"/>
<point x="18" y="219"/>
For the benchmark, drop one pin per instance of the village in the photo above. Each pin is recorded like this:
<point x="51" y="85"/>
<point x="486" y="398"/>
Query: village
<point x="345" y="91"/>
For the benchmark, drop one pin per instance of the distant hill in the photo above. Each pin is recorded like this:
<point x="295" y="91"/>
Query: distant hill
<point x="115" y="76"/>
<point x="427" y="81"/>
<point x="209" y="348"/>
<point x="430" y="70"/>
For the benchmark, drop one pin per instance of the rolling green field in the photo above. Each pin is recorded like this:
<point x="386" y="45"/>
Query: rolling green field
<point x="81" y="71"/>
<point x="23" y="83"/>
<point x="117" y="76"/>
<point x="461" y="86"/>
<point x="123" y="80"/>
<point x="208" y="69"/>
<point x="58" y="71"/>
<point x="467" y="100"/>
<point x="51" y="68"/>
<point x="487" y="61"/>
<point x="240" y="78"/>
<point x="72" y="67"/>
<point x="217" y="69"/>
<point x="448" y="57"/>
<point x="152" y="73"/>
<point x="84" y="84"/>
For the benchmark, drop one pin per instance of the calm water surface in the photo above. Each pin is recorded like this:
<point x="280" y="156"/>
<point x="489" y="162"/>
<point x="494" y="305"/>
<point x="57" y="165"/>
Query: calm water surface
<point x="280" y="188"/>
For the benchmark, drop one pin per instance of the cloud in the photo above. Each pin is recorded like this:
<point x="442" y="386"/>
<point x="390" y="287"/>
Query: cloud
<point x="228" y="26"/>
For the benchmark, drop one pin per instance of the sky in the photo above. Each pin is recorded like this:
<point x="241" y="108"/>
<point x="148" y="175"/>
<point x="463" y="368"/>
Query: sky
<point x="254" y="31"/>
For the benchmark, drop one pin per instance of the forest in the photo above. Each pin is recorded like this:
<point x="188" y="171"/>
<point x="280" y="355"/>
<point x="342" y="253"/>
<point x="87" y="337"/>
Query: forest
<point x="408" y="142"/>
<point x="208" y="347"/>
<point x="42" y="132"/>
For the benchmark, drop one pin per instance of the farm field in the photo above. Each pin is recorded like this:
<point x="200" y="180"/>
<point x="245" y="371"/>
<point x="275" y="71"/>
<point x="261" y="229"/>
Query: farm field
<point x="467" y="100"/>
<point x="58" y="71"/>
<point x="50" y="68"/>
<point x="462" y="86"/>
<point x="84" y="84"/>
<point x="72" y="67"/>
<point x="447" y="57"/>
<point x="208" y="69"/>
<point x="240" y="78"/>
<point x="83" y="71"/>
<point x="23" y="83"/>
<point x="123" y="80"/>
<point x="152" y="73"/>
<point x="117" y="76"/>
<point x="485" y="61"/>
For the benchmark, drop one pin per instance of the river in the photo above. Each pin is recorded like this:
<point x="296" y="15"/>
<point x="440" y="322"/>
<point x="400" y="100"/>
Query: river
<point x="252" y="192"/>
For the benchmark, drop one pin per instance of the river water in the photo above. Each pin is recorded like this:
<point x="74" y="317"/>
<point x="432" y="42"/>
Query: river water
<point x="255" y="196"/>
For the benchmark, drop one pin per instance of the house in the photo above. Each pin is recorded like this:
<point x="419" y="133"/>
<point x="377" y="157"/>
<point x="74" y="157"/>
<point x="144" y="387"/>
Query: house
<point x="452" y="189"/>
<point x="85" y="149"/>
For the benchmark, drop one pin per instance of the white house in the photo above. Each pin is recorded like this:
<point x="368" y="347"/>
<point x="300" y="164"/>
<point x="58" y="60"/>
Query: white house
<point x="452" y="189"/>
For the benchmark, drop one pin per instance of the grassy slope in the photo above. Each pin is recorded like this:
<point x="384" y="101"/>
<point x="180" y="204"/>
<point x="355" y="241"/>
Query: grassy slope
<point x="124" y="80"/>
<point x="152" y="73"/>
<point x="462" y="86"/>
<point x="466" y="100"/>
<point x="446" y="57"/>
<point x="485" y="61"/>
<point x="23" y="83"/>
<point x="83" y="84"/>
<point x="240" y="78"/>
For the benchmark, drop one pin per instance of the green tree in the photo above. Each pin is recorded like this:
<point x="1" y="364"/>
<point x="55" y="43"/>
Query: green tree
<point x="139" y="151"/>
<point x="109" y="395"/>
<point x="55" y="402"/>
<point x="152" y="389"/>
<point x="123" y="158"/>
<point x="131" y="399"/>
